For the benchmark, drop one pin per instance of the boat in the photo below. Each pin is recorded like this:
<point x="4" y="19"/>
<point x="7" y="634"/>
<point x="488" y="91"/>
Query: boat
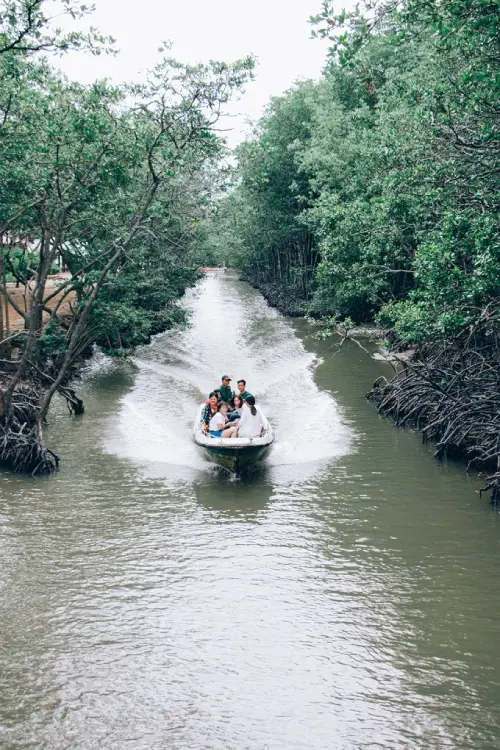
<point x="235" y="454"/>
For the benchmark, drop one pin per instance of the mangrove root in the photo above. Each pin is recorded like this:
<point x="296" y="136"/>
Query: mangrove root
<point x="450" y="390"/>
<point x="21" y="444"/>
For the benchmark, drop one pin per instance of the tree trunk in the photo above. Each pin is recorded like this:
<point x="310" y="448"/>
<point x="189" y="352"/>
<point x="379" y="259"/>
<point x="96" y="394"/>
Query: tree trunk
<point x="2" y="302"/>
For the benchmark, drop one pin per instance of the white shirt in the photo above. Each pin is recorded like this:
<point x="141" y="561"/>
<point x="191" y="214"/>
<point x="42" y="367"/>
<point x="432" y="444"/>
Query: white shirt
<point x="250" y="424"/>
<point x="217" y="421"/>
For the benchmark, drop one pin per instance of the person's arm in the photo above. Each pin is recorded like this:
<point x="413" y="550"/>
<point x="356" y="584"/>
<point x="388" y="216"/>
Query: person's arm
<point x="205" y="418"/>
<point x="262" y="422"/>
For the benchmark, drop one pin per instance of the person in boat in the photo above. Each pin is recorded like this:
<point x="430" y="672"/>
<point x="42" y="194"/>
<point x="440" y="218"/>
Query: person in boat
<point x="226" y="392"/>
<point x="211" y="408"/>
<point x="235" y="409"/>
<point x="217" y="393"/>
<point x="242" y="389"/>
<point x="251" y="421"/>
<point x="219" y="426"/>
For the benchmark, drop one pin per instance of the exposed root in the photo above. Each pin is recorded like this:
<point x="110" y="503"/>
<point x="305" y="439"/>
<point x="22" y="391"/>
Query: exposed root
<point x="22" y="448"/>
<point x="493" y="484"/>
<point x="21" y="444"/>
<point x="75" y="404"/>
<point x="450" y="390"/>
<point x="25" y="453"/>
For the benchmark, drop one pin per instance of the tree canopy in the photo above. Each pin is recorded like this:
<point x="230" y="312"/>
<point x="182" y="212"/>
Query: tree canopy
<point x="377" y="189"/>
<point x="113" y="185"/>
<point x="387" y="167"/>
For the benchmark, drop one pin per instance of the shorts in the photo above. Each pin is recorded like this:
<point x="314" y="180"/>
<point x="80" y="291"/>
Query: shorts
<point x="215" y="433"/>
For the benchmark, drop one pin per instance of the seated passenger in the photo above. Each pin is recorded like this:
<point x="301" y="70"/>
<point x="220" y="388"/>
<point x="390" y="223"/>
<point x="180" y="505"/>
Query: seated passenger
<point x="242" y="388"/>
<point x="217" y="393"/>
<point x="226" y="392"/>
<point x="235" y="408"/>
<point x="211" y="406"/>
<point x="251" y="421"/>
<point x="218" y="423"/>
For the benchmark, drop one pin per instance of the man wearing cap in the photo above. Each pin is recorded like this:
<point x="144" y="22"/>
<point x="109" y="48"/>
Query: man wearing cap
<point x="226" y="392"/>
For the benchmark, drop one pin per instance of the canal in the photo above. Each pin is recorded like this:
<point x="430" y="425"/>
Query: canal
<point x="344" y="597"/>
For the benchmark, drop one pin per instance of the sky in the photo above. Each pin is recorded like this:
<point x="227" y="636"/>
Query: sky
<point x="277" y="32"/>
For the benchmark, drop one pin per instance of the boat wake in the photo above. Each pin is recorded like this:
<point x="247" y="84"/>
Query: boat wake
<point x="234" y="330"/>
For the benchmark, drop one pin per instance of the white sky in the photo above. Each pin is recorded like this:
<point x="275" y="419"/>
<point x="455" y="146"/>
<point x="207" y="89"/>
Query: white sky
<point x="277" y="32"/>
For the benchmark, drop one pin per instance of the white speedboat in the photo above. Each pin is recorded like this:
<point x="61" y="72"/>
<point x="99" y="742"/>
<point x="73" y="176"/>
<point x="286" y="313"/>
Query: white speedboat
<point x="235" y="454"/>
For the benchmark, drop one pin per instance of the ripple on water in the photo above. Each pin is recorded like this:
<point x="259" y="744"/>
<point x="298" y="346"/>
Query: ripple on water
<point x="252" y="341"/>
<point x="331" y="601"/>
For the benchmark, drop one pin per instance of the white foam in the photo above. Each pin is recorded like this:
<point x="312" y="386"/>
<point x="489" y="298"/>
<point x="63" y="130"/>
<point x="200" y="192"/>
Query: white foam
<point x="234" y="331"/>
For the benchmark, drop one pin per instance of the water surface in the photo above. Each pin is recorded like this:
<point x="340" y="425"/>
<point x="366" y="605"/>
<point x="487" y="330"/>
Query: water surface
<point x="345" y="597"/>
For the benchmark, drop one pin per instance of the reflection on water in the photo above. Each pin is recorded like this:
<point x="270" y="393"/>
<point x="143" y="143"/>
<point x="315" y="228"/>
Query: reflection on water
<point x="343" y="597"/>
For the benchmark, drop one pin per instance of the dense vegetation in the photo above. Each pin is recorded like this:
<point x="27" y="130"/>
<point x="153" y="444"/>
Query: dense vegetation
<point x="111" y="183"/>
<point x="372" y="195"/>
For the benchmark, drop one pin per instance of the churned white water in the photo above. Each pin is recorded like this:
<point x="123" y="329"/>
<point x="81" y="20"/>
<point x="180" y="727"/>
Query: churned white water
<point x="232" y="331"/>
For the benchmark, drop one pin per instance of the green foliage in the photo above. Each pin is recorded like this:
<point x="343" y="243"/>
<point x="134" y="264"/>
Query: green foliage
<point x="141" y="301"/>
<point x="457" y="272"/>
<point x="118" y="184"/>
<point x="28" y="26"/>
<point x="51" y="343"/>
<point x="259" y="222"/>
<point x="390" y="163"/>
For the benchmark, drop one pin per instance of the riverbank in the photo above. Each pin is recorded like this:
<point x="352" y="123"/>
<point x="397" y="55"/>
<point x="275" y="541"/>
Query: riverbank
<point x="44" y="361"/>
<point x="449" y="390"/>
<point x="446" y="390"/>
<point x="281" y="298"/>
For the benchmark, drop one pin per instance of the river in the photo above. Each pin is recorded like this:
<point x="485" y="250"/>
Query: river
<point x="344" y="597"/>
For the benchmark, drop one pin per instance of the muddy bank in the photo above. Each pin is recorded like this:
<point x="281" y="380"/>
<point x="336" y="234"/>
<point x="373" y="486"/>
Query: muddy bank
<point x="283" y="299"/>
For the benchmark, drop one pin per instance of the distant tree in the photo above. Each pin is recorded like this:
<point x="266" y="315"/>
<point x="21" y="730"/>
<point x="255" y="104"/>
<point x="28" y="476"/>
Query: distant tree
<point x="261" y="217"/>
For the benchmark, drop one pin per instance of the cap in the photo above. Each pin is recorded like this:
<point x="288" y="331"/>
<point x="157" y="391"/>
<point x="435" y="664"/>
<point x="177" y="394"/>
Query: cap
<point x="226" y="377"/>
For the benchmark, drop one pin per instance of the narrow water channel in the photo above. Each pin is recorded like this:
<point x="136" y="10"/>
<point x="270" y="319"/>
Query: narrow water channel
<point x="345" y="597"/>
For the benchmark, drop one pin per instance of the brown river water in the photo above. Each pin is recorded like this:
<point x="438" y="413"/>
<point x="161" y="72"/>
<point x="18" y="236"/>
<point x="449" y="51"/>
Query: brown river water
<point x="346" y="596"/>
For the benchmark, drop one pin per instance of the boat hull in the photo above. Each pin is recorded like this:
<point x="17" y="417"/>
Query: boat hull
<point x="236" y="461"/>
<point x="234" y="454"/>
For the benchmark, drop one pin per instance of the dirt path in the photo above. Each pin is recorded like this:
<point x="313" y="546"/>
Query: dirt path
<point x="21" y="298"/>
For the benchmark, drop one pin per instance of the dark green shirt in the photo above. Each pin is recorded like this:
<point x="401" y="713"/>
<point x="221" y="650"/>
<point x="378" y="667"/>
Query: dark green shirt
<point x="244" y="394"/>
<point x="226" y="393"/>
